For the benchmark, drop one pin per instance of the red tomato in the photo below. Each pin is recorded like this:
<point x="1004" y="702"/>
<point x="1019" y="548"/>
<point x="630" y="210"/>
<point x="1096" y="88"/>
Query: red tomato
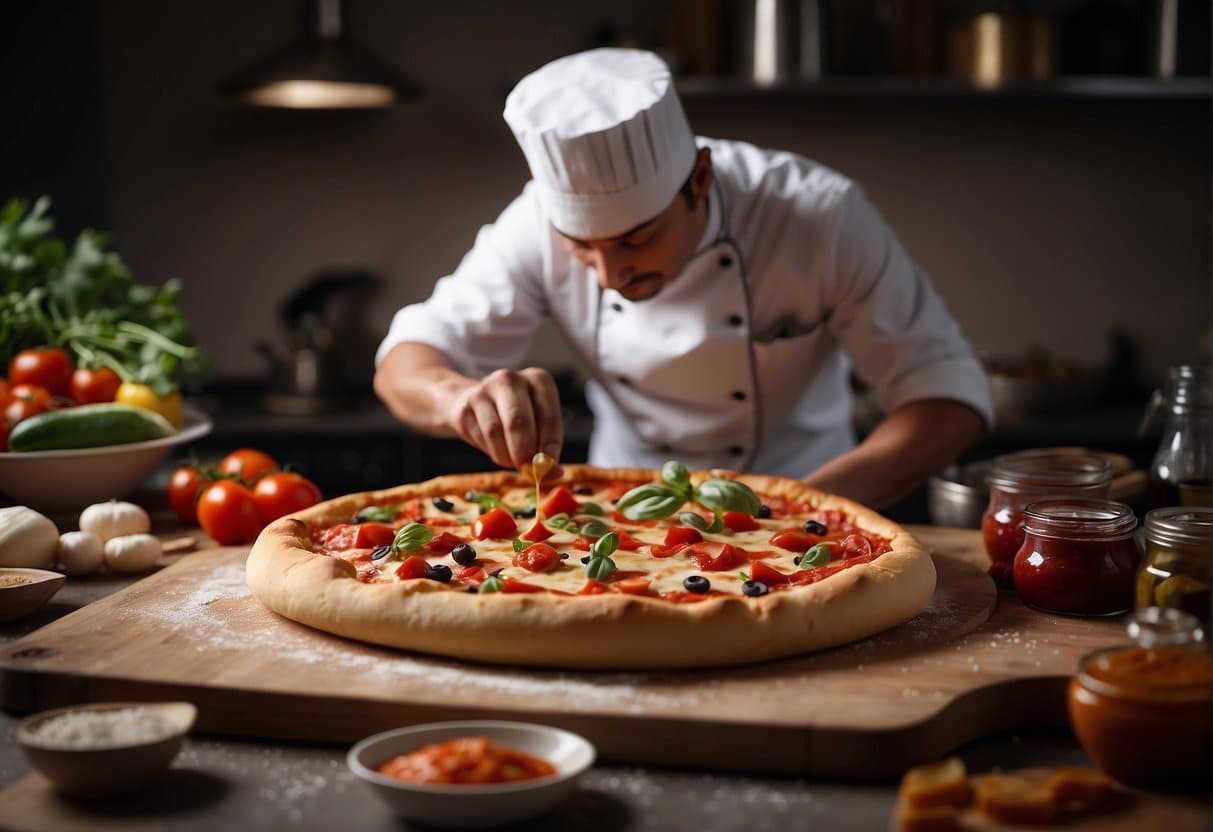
<point x="184" y="484"/>
<point x="48" y="367"/>
<point x="739" y="522"/>
<point x="3" y="434"/>
<point x="345" y="536"/>
<point x="794" y="540"/>
<point x="414" y="566"/>
<point x="444" y="543"/>
<point x="715" y="557"/>
<point x="682" y="534"/>
<point x="769" y="575"/>
<point x="560" y="500"/>
<point x="632" y="586"/>
<point x="228" y="513"/>
<point x="497" y="524"/>
<point x="283" y="493"/>
<point x="248" y="464"/>
<point x="538" y="557"/>
<point x="3" y="393"/>
<point x="509" y="585"/>
<point x="94" y="386"/>
<point x="536" y="533"/>
<point x="26" y="400"/>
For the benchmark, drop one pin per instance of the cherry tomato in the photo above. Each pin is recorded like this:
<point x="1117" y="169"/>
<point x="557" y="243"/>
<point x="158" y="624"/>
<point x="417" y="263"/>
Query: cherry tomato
<point x="284" y="493"/>
<point x="346" y="536"/>
<point x="560" y="501"/>
<point x="94" y="386"/>
<point x="538" y="557"/>
<point x="536" y="533"/>
<point x="794" y="540"/>
<point x="497" y="524"/>
<point x="184" y="484"/>
<point x="739" y="522"/>
<point x="682" y="534"/>
<point x="3" y="434"/>
<point x="715" y="557"/>
<point x="228" y="513"/>
<point x="769" y="575"/>
<point x="414" y="566"/>
<point x="26" y="400"/>
<point x="48" y="367"/>
<point x="3" y="393"/>
<point x="248" y="464"/>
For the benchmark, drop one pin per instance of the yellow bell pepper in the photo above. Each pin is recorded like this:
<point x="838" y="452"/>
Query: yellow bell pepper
<point x="140" y="395"/>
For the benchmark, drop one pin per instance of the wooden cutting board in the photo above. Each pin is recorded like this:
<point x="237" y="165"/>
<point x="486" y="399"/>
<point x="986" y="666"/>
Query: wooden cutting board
<point x="965" y="667"/>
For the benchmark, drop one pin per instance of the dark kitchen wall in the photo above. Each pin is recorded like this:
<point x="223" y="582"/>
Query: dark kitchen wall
<point x="1049" y="220"/>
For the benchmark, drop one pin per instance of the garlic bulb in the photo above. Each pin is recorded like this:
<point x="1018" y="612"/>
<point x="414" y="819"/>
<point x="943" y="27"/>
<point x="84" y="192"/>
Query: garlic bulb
<point x="80" y="553"/>
<point x="132" y="552"/>
<point x="27" y="538"/>
<point x="114" y="519"/>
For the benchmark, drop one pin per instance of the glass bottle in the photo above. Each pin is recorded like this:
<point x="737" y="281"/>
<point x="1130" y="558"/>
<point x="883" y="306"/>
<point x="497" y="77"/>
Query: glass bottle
<point x="1024" y="477"/>
<point x="1078" y="557"/>
<point x="1181" y="473"/>
<point x="1179" y="560"/>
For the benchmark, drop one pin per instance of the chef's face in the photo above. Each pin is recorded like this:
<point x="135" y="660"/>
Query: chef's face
<point x="639" y="262"/>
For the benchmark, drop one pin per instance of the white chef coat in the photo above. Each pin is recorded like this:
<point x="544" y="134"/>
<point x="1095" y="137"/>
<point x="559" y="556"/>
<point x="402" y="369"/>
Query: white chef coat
<point x="743" y="360"/>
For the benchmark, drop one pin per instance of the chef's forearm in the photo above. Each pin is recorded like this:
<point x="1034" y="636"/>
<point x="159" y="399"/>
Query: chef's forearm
<point x="418" y="383"/>
<point x="908" y="446"/>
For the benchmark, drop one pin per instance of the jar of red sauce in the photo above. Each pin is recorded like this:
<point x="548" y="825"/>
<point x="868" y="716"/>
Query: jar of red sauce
<point x="1143" y="713"/>
<point x="1021" y="478"/>
<point x="1078" y="557"/>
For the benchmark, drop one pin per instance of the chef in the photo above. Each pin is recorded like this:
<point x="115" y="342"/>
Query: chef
<point x="717" y="295"/>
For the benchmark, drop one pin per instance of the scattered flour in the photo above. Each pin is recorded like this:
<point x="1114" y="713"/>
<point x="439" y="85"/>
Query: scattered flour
<point x="92" y="729"/>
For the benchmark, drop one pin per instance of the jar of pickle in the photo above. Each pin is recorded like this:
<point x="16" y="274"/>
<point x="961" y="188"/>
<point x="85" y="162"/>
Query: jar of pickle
<point x="1027" y="476"/>
<point x="1078" y="557"/>
<point x="1181" y="473"/>
<point x="1179" y="560"/>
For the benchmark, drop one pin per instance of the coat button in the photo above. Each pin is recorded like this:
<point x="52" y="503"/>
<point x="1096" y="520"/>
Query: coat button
<point x="739" y="395"/>
<point x="737" y="450"/>
<point x="665" y="448"/>
<point x="735" y="320"/>
<point x="618" y="307"/>
<point x="625" y="381"/>
<point x="725" y="261"/>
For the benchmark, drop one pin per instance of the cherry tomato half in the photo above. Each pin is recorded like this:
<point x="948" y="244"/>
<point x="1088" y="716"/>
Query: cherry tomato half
<point x="248" y="464"/>
<point x="497" y="524"/>
<point x="48" y="367"/>
<point x="94" y="386"/>
<point x="228" y="513"/>
<point x="283" y="493"/>
<point x="184" y="485"/>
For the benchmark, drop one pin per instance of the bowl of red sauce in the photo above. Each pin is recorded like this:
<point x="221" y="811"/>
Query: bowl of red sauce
<point x="472" y="774"/>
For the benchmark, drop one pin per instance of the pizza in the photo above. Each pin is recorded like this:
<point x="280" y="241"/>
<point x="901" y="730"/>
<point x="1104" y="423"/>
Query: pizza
<point x="599" y="569"/>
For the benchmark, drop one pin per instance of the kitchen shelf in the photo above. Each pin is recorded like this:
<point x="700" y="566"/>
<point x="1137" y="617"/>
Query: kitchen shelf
<point x="1093" y="87"/>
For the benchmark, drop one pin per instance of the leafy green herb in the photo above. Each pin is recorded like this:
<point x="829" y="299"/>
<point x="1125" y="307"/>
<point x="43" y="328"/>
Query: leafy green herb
<point x="818" y="555"/>
<point x="378" y="514"/>
<point x="592" y="509"/>
<point x="491" y="584"/>
<point x="487" y="502"/>
<point x="649" y="502"/>
<point x="594" y="528"/>
<point x="604" y="546"/>
<point x="411" y="537"/>
<point x="600" y="568"/>
<point x="561" y="521"/>
<point x="676" y="476"/>
<point x="654" y="500"/>
<point x="696" y="521"/>
<point x="520" y="544"/>
<point x="743" y="576"/>
<point x="84" y="300"/>
<point x="728" y="495"/>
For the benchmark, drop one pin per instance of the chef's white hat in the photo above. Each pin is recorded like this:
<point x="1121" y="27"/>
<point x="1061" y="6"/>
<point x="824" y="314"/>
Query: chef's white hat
<point x="605" y="137"/>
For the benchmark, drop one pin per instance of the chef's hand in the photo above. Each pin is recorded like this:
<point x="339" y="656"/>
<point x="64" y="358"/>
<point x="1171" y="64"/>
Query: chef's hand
<point x="510" y="416"/>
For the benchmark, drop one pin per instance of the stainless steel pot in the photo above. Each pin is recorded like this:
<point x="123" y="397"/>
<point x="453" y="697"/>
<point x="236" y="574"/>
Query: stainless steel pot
<point x="958" y="496"/>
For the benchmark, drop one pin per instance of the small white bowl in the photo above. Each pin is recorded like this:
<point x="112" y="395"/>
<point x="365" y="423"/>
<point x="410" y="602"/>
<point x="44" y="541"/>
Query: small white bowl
<point x="91" y="772"/>
<point x="474" y="806"/>
<point x="18" y="600"/>
<point x="69" y="480"/>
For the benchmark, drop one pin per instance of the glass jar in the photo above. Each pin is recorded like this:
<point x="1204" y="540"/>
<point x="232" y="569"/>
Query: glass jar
<point x="1144" y="713"/>
<point x="1181" y="473"/>
<point x="1021" y="478"/>
<point x="1078" y="557"/>
<point x="1179" y="560"/>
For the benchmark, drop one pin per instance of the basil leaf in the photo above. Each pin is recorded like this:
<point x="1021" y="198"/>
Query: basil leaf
<point x="600" y="568"/>
<point x="717" y="522"/>
<point x="649" y="502"/>
<point x="561" y="521"/>
<point x="594" y="528"/>
<point x="695" y="520"/>
<point x="677" y="477"/>
<point x="491" y="584"/>
<point x="818" y="555"/>
<point x="411" y="537"/>
<point x="519" y="544"/>
<point x="378" y="514"/>
<point x="604" y="546"/>
<point x="485" y="501"/>
<point x="743" y="576"/>
<point x="592" y="509"/>
<point x="728" y="495"/>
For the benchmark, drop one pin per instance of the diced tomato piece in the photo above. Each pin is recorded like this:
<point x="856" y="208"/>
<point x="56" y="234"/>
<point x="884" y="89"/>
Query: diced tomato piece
<point x="560" y="500"/>
<point x="536" y="533"/>
<point x="497" y="524"/>
<point x="444" y="543"/>
<point x="583" y="543"/>
<point x="472" y="574"/>
<point x="627" y="543"/>
<point x="682" y="534"/>
<point x="632" y="586"/>
<point x="715" y="557"/>
<point x="794" y="540"/>
<point x="666" y="551"/>
<point x="592" y="587"/>
<point x="769" y="575"/>
<point x="856" y="545"/>
<point x="357" y="536"/>
<point x="511" y="585"/>
<point x="739" y="522"/>
<point x="413" y="567"/>
<point x="679" y="596"/>
<point x="440" y="521"/>
<point x="538" y="557"/>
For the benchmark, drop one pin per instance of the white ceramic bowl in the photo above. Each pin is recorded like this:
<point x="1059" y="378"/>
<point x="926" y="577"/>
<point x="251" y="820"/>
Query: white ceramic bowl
<point x="20" y="599"/>
<point x="91" y="772"/>
<point x="62" y="481"/>
<point x="472" y="806"/>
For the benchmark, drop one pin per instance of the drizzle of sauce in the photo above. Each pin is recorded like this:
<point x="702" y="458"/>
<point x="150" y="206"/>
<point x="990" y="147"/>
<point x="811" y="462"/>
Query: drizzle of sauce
<point x="537" y="469"/>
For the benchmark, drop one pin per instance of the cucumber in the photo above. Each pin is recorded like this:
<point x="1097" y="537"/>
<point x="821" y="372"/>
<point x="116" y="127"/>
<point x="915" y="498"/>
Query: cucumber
<point x="88" y="426"/>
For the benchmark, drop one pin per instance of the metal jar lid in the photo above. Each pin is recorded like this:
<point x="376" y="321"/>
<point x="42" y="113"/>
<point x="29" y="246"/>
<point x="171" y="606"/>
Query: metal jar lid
<point x="1049" y="469"/>
<point x="1181" y="525"/>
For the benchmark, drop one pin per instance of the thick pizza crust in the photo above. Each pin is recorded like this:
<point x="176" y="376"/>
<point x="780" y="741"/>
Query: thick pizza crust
<point x="607" y="631"/>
